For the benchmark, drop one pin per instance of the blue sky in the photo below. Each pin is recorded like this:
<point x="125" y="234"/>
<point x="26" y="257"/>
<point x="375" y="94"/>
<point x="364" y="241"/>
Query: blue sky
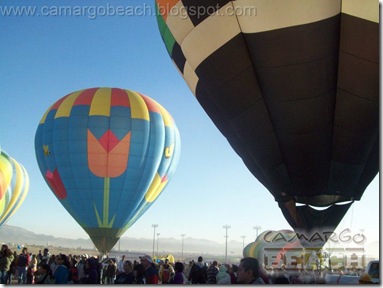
<point x="44" y="57"/>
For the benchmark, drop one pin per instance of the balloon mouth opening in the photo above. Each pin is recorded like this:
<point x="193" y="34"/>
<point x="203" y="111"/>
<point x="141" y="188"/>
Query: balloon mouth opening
<point x="322" y="208"/>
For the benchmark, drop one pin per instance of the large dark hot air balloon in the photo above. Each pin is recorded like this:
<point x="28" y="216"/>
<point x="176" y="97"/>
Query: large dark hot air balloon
<point x="293" y="86"/>
<point x="107" y="154"/>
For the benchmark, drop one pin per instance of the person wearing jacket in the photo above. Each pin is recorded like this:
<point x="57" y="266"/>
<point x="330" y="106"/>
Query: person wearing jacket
<point x="6" y="258"/>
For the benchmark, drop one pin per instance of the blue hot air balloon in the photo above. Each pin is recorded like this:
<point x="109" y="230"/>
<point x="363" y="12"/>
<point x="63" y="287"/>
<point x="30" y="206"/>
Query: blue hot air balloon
<point x="107" y="154"/>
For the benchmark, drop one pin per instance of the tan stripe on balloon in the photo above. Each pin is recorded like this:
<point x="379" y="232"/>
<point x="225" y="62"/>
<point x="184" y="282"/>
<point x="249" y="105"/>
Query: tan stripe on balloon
<point x="190" y="77"/>
<point x="179" y="22"/>
<point x="209" y="35"/>
<point x="266" y="15"/>
<point x="365" y="9"/>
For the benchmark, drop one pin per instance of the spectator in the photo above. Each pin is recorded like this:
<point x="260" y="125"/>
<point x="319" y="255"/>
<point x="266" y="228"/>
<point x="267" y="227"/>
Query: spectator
<point x="126" y="276"/>
<point x="212" y="272"/>
<point x="179" y="277"/>
<point x="198" y="272"/>
<point x="139" y="274"/>
<point x="61" y="273"/>
<point x="91" y="274"/>
<point x="6" y="259"/>
<point x="223" y="277"/>
<point x="248" y="272"/>
<point x="44" y="274"/>
<point x="151" y="274"/>
<point x="166" y="272"/>
<point x="111" y="272"/>
<point x="22" y="265"/>
<point x="120" y="265"/>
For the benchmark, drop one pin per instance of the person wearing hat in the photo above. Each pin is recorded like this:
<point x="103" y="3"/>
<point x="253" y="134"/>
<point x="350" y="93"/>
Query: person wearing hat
<point x="151" y="274"/>
<point x="365" y="279"/>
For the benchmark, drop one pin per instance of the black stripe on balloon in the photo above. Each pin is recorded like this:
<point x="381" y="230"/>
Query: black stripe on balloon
<point x="178" y="57"/>
<point x="199" y="10"/>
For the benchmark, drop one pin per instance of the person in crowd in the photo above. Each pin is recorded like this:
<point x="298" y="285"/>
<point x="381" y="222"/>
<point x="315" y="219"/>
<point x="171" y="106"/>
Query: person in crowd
<point x="281" y="279"/>
<point x="73" y="271"/>
<point x="91" y="272"/>
<point x="232" y="274"/>
<point x="32" y="268"/>
<point x="179" y="277"/>
<point x="139" y="274"/>
<point x="198" y="272"/>
<point x="212" y="271"/>
<point x="22" y="265"/>
<point x="6" y="259"/>
<point x="166" y="272"/>
<point x="61" y="273"/>
<point x="111" y="272"/>
<point x="45" y="256"/>
<point x="127" y="275"/>
<point x="222" y="277"/>
<point x="12" y="269"/>
<point x="248" y="272"/>
<point x="120" y="264"/>
<point x="187" y="269"/>
<point x="43" y="274"/>
<point x="80" y="267"/>
<point x="151" y="274"/>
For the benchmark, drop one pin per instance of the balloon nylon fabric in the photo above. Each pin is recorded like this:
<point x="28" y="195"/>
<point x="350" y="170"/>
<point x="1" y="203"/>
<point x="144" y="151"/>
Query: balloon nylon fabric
<point x="294" y="87"/>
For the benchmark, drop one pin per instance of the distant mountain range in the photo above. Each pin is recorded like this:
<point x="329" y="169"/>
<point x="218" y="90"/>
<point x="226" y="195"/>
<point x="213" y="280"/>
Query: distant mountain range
<point x="17" y="235"/>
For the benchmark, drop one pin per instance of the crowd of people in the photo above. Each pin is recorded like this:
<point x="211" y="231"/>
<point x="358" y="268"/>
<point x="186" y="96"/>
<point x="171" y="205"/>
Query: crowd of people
<point x="44" y="268"/>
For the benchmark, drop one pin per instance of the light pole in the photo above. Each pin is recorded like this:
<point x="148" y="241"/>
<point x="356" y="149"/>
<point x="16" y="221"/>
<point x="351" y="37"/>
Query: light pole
<point x="363" y="257"/>
<point x="243" y="241"/>
<point x="257" y="228"/>
<point x="226" y="236"/>
<point x="182" y="250"/>
<point x="158" y="240"/>
<point x="154" y="236"/>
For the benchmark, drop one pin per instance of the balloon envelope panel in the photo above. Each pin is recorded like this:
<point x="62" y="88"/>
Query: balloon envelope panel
<point x="99" y="150"/>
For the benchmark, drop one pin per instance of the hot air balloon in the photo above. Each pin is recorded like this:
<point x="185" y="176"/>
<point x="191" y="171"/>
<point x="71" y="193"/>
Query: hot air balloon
<point x="281" y="248"/>
<point x="14" y="185"/>
<point x="294" y="87"/>
<point x="107" y="154"/>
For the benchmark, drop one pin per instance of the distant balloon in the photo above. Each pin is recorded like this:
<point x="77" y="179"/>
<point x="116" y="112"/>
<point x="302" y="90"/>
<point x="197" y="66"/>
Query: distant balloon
<point x="14" y="185"/>
<point x="107" y="154"/>
<point x="294" y="87"/>
<point x="271" y="247"/>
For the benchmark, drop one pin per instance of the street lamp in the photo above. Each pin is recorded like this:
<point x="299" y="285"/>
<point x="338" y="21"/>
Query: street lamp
<point x="158" y="240"/>
<point x="257" y="228"/>
<point x="363" y="257"/>
<point x="226" y="236"/>
<point x="154" y="236"/>
<point x="243" y="241"/>
<point x="182" y="250"/>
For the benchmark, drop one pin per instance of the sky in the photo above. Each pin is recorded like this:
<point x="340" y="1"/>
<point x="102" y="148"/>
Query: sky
<point x="46" y="56"/>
